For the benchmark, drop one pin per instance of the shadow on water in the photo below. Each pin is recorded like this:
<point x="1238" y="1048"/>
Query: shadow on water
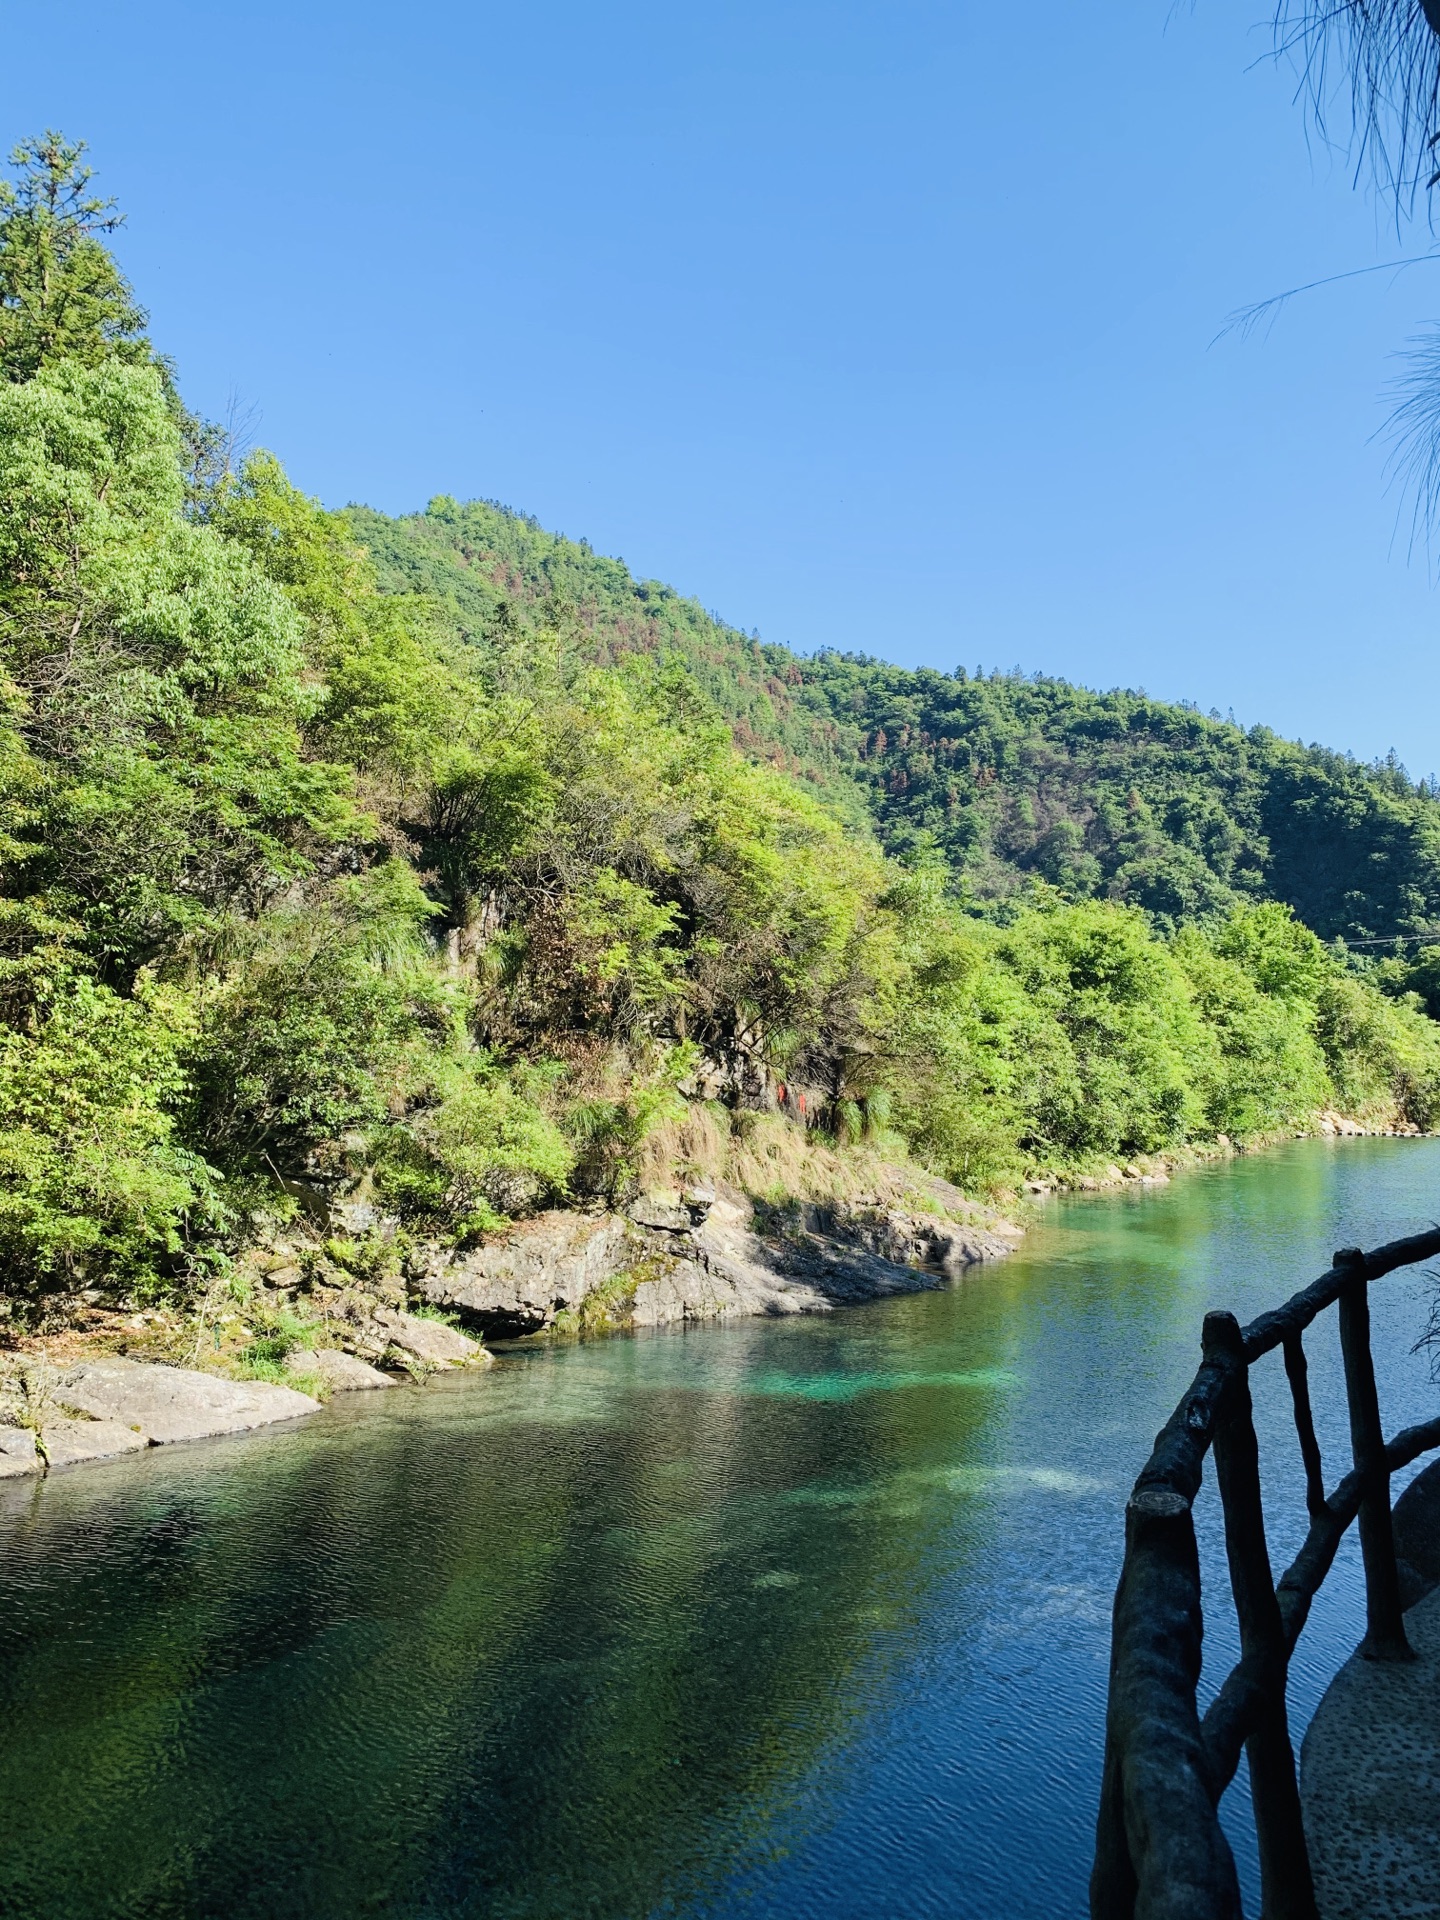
<point x="781" y="1618"/>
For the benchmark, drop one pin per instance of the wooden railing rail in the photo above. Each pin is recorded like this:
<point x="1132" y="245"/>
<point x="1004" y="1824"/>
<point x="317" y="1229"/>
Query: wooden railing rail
<point x="1160" y="1851"/>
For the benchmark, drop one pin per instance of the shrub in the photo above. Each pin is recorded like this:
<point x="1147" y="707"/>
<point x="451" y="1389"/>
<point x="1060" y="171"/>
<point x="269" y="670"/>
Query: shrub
<point x="480" y="1149"/>
<point x="94" y="1188"/>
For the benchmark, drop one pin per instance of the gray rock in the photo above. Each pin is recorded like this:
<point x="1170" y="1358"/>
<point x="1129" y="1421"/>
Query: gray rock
<point x="70" y="1443"/>
<point x="430" y="1341"/>
<point x="517" y="1285"/>
<point x="663" y="1213"/>
<point x="833" y="1258"/>
<point x="716" y="1289"/>
<point x="341" y="1372"/>
<point x="18" y="1453"/>
<point x="710" y="1260"/>
<point x="354" y="1216"/>
<point x="170" y="1403"/>
<point x="900" y="1239"/>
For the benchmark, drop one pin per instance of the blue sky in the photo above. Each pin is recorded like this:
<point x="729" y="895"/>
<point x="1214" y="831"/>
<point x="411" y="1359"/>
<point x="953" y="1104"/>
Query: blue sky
<point x="880" y="326"/>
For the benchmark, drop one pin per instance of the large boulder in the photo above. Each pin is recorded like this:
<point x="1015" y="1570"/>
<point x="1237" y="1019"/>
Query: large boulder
<point x="341" y="1372"/>
<point x="518" y="1284"/>
<point x="165" y="1404"/>
<point x="18" y="1453"/>
<point x="430" y="1341"/>
<point x="1417" y="1535"/>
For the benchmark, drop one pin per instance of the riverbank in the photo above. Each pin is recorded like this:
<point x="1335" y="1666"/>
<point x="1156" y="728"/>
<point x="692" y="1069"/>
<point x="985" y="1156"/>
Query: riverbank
<point x="1157" y="1169"/>
<point x="348" y="1303"/>
<point x="341" y="1300"/>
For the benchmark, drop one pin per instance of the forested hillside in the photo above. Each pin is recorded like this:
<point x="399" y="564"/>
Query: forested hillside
<point x="479" y="889"/>
<point x="1014" y="779"/>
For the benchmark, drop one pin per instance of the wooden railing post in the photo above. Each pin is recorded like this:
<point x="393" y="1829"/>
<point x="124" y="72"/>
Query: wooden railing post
<point x="1160" y="1848"/>
<point x="1298" y="1374"/>
<point x="1113" y="1885"/>
<point x="1384" y="1621"/>
<point x="1287" y="1891"/>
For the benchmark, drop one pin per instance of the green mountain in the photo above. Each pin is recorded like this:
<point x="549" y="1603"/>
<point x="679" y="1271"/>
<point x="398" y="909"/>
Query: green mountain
<point x="1015" y="780"/>
<point x="470" y="870"/>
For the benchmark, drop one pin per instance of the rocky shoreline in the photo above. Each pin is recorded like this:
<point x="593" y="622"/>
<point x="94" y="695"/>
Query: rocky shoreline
<point x="692" y="1254"/>
<point x="673" y="1256"/>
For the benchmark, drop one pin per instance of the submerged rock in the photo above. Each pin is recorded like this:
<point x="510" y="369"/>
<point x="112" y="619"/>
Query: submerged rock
<point x="166" y="1404"/>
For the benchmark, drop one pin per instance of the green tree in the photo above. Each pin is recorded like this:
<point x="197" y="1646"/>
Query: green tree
<point x="62" y="296"/>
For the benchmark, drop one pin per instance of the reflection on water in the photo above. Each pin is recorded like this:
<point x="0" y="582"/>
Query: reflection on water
<point x="785" y="1618"/>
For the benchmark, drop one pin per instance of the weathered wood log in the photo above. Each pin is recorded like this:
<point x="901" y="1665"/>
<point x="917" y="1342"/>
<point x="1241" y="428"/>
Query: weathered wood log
<point x="1287" y="1890"/>
<point x="1177" y="1463"/>
<point x="1384" y="1624"/>
<point x="1269" y="1329"/>
<point x="1175" y="1863"/>
<point x="1112" y="1877"/>
<point x="1297" y="1373"/>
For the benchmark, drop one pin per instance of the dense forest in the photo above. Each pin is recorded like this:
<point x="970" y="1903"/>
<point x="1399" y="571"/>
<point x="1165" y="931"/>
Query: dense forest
<point x="441" y="852"/>
<point x="1013" y="779"/>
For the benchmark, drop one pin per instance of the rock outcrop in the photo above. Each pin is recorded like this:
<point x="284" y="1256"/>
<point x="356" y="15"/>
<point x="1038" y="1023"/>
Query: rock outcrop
<point x="690" y="1255"/>
<point x="545" y="1266"/>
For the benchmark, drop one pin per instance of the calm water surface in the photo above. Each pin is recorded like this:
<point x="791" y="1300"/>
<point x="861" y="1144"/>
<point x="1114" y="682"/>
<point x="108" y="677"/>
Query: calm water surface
<point x="779" y="1619"/>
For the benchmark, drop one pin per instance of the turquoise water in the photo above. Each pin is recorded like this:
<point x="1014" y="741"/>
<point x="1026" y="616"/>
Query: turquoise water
<point x="785" y="1618"/>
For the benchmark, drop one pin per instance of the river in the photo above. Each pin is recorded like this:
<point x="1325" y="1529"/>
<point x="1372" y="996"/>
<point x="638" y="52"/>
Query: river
<point x="780" y="1619"/>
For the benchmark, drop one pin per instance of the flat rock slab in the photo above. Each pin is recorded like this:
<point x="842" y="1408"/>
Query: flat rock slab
<point x="71" y="1443"/>
<point x="166" y="1404"/>
<point x="1370" y="1783"/>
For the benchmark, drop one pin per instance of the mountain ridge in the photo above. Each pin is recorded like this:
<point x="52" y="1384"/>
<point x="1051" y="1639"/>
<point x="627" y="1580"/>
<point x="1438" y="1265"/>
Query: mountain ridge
<point x="1018" y="783"/>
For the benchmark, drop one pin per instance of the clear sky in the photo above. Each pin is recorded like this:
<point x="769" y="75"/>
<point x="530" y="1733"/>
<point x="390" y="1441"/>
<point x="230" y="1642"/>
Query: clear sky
<point x="878" y="325"/>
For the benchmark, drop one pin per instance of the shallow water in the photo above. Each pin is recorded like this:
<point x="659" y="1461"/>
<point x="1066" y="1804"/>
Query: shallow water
<point x="785" y="1618"/>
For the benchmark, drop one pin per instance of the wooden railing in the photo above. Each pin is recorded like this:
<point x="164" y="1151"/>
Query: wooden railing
<point x="1160" y="1853"/>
